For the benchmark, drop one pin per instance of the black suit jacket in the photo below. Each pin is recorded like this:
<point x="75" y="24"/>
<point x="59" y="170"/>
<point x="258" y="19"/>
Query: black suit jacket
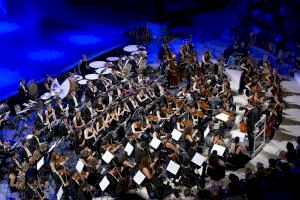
<point x="38" y="123"/>
<point x="86" y="114"/>
<point x="89" y="94"/>
<point x="23" y="154"/>
<point x="34" y="144"/>
<point x="71" y="103"/>
<point x="22" y="95"/>
<point x="100" y="85"/>
<point x="58" y="112"/>
<point x="252" y="118"/>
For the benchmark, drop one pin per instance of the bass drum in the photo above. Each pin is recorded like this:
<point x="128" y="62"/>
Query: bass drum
<point x="33" y="89"/>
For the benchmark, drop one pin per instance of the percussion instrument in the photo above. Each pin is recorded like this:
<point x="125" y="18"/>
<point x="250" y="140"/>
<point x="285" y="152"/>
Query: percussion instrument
<point x="139" y="52"/>
<point x="76" y="77"/>
<point x="92" y="76"/>
<point x="100" y="70"/>
<point x="64" y="89"/>
<point x="33" y="89"/>
<point x="112" y="59"/>
<point x="131" y="48"/>
<point x="82" y="82"/>
<point x="46" y="96"/>
<point x="97" y="64"/>
<point x="107" y="71"/>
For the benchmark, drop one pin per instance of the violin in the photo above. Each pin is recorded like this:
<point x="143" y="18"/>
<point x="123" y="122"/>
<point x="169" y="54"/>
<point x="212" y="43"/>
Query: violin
<point x="170" y="97"/>
<point x="152" y="118"/>
<point x="62" y="159"/>
<point x="196" y="113"/>
<point x="165" y="110"/>
<point x="203" y="105"/>
<point x="187" y="122"/>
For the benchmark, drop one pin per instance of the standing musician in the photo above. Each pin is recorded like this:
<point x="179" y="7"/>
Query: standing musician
<point x="82" y="66"/>
<point x="22" y="93"/>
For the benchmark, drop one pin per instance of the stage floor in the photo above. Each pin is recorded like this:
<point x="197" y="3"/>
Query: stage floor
<point x="35" y="50"/>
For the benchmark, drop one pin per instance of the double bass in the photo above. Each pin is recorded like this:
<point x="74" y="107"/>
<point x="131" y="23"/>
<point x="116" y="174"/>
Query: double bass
<point x="173" y="75"/>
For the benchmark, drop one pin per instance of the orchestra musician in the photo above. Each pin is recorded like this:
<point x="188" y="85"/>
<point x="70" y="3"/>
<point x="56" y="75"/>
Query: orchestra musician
<point x="78" y="121"/>
<point x="91" y="91"/>
<point x="60" y="109"/>
<point x="40" y="121"/>
<point x="49" y="113"/>
<point x="72" y="101"/>
<point x="87" y="111"/>
<point x="82" y="66"/>
<point x="22" y="93"/>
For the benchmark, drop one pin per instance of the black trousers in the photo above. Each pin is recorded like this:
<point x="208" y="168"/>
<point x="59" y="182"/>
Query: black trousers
<point x="250" y="137"/>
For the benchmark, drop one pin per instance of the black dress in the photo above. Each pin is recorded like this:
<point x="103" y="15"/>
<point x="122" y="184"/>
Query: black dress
<point x="83" y="67"/>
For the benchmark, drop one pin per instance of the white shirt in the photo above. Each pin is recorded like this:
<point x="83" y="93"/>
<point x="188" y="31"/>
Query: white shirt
<point x="27" y="152"/>
<point x="41" y="117"/>
<point x="110" y="99"/>
<point x="75" y="101"/>
<point x="23" y="87"/>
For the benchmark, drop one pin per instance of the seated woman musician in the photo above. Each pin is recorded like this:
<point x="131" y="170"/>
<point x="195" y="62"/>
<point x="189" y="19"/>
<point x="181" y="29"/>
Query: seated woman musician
<point x="139" y="127"/>
<point x="112" y="117"/>
<point x="143" y="98"/>
<point x="123" y="110"/>
<point x="171" y="148"/>
<point x="78" y="122"/>
<point x="101" y="124"/>
<point x="99" y="105"/>
<point x="50" y="113"/>
<point x="184" y="93"/>
<point x="189" y="136"/>
<point x="217" y="139"/>
<point x="90" y="135"/>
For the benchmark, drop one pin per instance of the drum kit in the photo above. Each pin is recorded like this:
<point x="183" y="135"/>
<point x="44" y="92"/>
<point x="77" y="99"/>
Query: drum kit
<point x="112" y="59"/>
<point x="92" y="76"/>
<point x="97" y="64"/>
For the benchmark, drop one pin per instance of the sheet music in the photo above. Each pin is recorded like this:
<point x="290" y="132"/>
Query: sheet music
<point x="28" y="137"/>
<point x="176" y="134"/>
<point x="207" y="130"/>
<point x="238" y="133"/>
<point x="155" y="143"/>
<point x="40" y="163"/>
<point x="220" y="149"/>
<point x="79" y="166"/>
<point x="59" y="193"/>
<point x="198" y="159"/>
<point x="173" y="167"/>
<point x="52" y="147"/>
<point x="107" y="157"/>
<point x="139" y="177"/>
<point x="128" y="148"/>
<point x="104" y="183"/>
<point x="223" y="117"/>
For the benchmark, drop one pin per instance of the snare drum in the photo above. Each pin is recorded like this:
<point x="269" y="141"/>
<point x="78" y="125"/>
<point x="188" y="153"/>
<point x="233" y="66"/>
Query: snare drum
<point x="82" y="82"/>
<point x="92" y="76"/>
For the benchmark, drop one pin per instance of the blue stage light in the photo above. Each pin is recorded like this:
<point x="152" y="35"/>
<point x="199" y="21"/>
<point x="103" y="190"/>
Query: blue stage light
<point x="6" y="27"/>
<point x="84" y="39"/>
<point x="46" y="54"/>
